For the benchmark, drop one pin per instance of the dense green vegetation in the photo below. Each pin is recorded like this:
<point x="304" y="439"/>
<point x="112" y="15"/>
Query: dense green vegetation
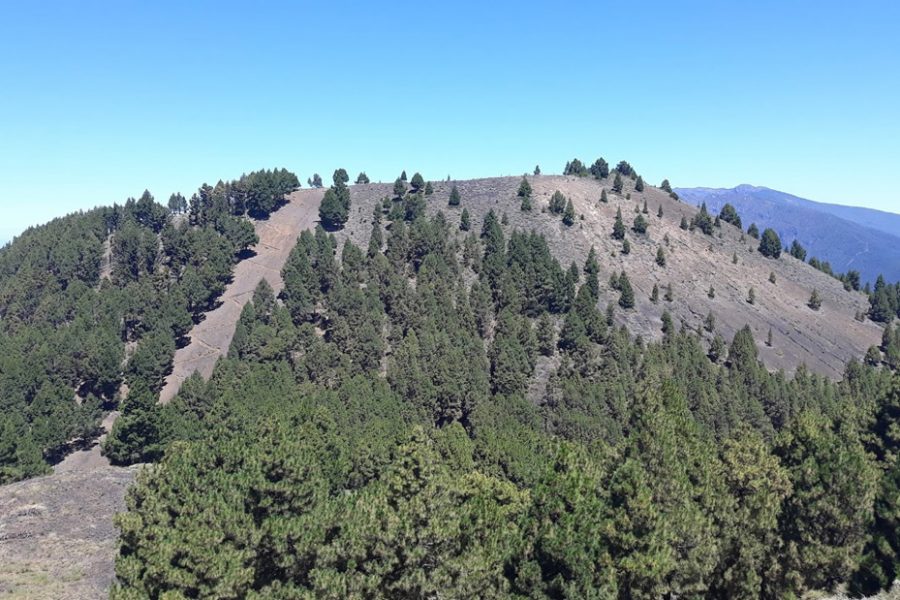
<point x="99" y="299"/>
<point x="382" y="430"/>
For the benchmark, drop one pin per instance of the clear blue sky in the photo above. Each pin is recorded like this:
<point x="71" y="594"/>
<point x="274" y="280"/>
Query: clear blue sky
<point x="99" y="100"/>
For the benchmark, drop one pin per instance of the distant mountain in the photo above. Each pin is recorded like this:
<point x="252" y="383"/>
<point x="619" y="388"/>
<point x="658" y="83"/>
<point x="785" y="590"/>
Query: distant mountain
<point x="848" y="237"/>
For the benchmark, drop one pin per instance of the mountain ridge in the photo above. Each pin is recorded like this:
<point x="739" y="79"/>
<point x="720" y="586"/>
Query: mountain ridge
<point x="844" y="236"/>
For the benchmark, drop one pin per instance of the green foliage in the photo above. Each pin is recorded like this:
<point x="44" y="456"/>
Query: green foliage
<point x="639" y="186"/>
<point x="626" y="293"/>
<point x="417" y="183"/>
<point x="618" y="232"/>
<point x="823" y="522"/>
<point x="575" y="167"/>
<point x="138" y="434"/>
<point x="617" y="183"/>
<point x="464" y="221"/>
<point x="730" y="215"/>
<point x="569" y="214"/>
<point x="454" y="197"/>
<point x="798" y="251"/>
<point x="600" y="169"/>
<point x="332" y="212"/>
<point x="753" y="231"/>
<point x="399" y="188"/>
<point x="702" y="221"/>
<point x="770" y="244"/>
<point x="557" y="203"/>
<point x="362" y="178"/>
<point x="814" y="302"/>
<point x="640" y="224"/>
<point x="524" y="189"/>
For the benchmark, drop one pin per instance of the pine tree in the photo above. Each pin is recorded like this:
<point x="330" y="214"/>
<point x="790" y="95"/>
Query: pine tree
<point x="362" y="178"/>
<point x="617" y="183"/>
<point x="525" y="205"/>
<point x="537" y="170"/>
<point x="618" y="232"/>
<point x="375" y="241"/>
<point x="709" y="323"/>
<point x="546" y="335"/>
<point x="332" y="212"/>
<point x="569" y="214"/>
<point x="684" y="223"/>
<point x="429" y="189"/>
<point x="557" y="203"/>
<point x="770" y="244"/>
<point x="640" y="224"/>
<point x="772" y="278"/>
<point x="603" y="197"/>
<point x="753" y="231"/>
<point x="711" y="293"/>
<point x="626" y="296"/>
<point x="769" y="338"/>
<point x="454" y="197"/>
<point x="403" y="175"/>
<point x="626" y="247"/>
<point x="639" y="187"/>
<point x="399" y="188"/>
<point x="137" y="435"/>
<point x="417" y="182"/>
<point x="815" y="302"/>
<point x="751" y="296"/>
<point x="730" y="215"/>
<point x="824" y="521"/>
<point x="654" y="294"/>
<point x="798" y="251"/>
<point x="659" y="212"/>
<point x="464" y="223"/>
<point x="670" y="295"/>
<point x="660" y="257"/>
<point x="524" y="189"/>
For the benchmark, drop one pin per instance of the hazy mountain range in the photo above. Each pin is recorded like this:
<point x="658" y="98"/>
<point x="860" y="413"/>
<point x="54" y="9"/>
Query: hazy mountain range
<point x="848" y="237"/>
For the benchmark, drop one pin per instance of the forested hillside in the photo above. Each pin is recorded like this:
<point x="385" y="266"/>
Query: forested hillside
<point x="93" y="306"/>
<point x="438" y="407"/>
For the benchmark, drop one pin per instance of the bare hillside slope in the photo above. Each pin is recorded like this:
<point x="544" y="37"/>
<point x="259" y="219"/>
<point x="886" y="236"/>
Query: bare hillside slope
<point x="211" y="337"/>
<point x="824" y="340"/>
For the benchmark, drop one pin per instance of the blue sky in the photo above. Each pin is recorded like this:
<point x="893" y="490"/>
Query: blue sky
<point x="99" y="100"/>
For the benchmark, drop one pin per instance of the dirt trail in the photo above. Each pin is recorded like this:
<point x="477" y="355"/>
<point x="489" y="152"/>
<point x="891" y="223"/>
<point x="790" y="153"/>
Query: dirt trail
<point x="212" y="336"/>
